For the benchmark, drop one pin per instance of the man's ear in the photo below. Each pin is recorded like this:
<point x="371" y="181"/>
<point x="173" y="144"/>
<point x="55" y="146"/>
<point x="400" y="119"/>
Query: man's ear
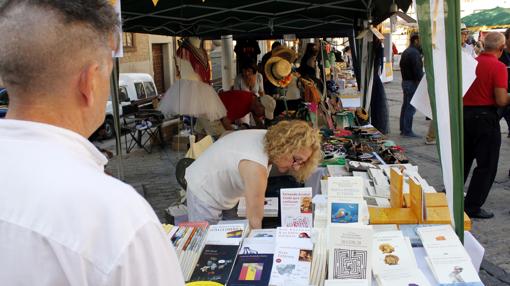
<point x="87" y="83"/>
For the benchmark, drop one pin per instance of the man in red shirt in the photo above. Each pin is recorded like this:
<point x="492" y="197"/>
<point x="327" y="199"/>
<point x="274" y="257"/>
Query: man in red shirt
<point x="237" y="103"/>
<point x="482" y="135"/>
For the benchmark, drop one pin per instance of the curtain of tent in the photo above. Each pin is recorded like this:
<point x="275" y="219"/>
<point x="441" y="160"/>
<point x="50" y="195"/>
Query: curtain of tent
<point x="366" y="63"/>
<point x="439" y="25"/>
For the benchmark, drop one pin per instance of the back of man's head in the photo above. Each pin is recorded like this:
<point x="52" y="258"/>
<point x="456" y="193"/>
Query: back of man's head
<point x="275" y="45"/>
<point x="46" y="43"/>
<point x="414" y="37"/>
<point x="507" y="34"/>
<point x="494" y="42"/>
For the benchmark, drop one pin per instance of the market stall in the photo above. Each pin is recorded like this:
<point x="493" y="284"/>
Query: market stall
<point x="365" y="149"/>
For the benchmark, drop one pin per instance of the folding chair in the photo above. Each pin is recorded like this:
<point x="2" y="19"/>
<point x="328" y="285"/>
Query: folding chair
<point x="142" y="127"/>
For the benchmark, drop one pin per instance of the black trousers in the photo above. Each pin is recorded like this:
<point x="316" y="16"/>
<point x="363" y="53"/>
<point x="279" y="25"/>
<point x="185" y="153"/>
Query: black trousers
<point x="482" y="140"/>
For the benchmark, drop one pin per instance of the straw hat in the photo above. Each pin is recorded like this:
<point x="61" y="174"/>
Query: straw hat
<point x="278" y="71"/>
<point x="279" y="66"/>
<point x="285" y="53"/>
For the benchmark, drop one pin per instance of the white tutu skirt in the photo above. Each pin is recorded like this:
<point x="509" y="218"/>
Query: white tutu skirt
<point x="194" y="98"/>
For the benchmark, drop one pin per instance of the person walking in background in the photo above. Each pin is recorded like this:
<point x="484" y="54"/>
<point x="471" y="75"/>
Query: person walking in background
<point x="411" y="67"/>
<point x="505" y="59"/>
<point x="65" y="222"/>
<point x="482" y="135"/>
<point x="466" y="47"/>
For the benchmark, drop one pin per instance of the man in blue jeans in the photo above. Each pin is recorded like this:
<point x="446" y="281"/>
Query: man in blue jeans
<point x="411" y="67"/>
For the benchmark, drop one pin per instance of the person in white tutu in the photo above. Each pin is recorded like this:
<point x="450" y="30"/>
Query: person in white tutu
<point x="192" y="94"/>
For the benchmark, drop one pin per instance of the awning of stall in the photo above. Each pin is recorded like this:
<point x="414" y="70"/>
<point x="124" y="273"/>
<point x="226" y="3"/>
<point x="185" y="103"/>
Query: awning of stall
<point x="254" y="19"/>
<point x="491" y="18"/>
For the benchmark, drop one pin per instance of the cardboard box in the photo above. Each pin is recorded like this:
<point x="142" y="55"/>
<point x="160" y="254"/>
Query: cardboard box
<point x="180" y="143"/>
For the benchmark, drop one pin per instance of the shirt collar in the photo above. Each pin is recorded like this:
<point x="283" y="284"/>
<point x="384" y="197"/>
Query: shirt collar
<point x="41" y="132"/>
<point x="487" y="55"/>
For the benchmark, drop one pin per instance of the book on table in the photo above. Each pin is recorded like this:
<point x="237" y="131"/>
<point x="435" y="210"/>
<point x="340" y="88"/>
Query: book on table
<point x="393" y="262"/>
<point x="446" y="256"/>
<point x="270" y="207"/>
<point x="292" y="262"/>
<point x="219" y="253"/>
<point x="345" y="188"/>
<point x="296" y="207"/>
<point x="350" y="253"/>
<point x="215" y="263"/>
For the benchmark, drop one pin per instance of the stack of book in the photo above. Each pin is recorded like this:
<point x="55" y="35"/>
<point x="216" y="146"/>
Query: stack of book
<point x="296" y="206"/>
<point x="188" y="239"/>
<point x="292" y="257"/>
<point x="270" y="207"/>
<point x="381" y="184"/>
<point x="219" y="253"/>
<point x="255" y="259"/>
<point x="320" y="256"/>
<point x="393" y="261"/>
<point x="447" y="258"/>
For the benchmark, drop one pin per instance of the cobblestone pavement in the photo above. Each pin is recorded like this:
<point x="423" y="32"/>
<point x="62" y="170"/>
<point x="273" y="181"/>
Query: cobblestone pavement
<point x="153" y="175"/>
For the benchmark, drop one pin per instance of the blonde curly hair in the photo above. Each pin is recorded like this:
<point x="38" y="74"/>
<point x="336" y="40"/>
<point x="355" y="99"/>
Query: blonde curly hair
<point x="287" y="137"/>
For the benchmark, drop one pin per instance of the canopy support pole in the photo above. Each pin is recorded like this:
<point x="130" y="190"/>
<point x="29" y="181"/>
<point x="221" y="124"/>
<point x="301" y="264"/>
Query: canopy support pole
<point x="227" y="62"/>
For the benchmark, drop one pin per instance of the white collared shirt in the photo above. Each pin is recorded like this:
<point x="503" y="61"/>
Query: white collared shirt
<point x="64" y="222"/>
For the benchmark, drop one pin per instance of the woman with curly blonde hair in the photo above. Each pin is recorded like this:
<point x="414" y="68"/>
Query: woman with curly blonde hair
<point x="238" y="165"/>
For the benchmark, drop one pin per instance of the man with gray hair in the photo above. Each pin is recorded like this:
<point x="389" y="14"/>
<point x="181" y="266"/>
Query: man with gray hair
<point x="482" y="135"/>
<point x="62" y="220"/>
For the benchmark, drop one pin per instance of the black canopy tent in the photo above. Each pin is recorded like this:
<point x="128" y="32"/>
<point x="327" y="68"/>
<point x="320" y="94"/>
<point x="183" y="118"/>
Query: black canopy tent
<point x="253" y="19"/>
<point x="259" y="19"/>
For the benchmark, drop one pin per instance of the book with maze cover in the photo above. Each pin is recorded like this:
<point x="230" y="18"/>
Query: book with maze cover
<point x="346" y="282"/>
<point x="251" y="270"/>
<point x="296" y="207"/>
<point x="350" y="252"/>
<point x="215" y="263"/>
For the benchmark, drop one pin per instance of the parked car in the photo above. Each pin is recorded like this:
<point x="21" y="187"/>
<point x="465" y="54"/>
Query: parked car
<point x="133" y="88"/>
<point x="4" y="102"/>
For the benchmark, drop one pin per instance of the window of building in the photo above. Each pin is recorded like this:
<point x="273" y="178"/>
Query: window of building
<point x="128" y="41"/>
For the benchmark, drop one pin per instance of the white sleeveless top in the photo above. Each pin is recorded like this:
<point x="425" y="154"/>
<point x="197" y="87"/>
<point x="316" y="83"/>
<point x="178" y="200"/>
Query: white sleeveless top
<point x="214" y="177"/>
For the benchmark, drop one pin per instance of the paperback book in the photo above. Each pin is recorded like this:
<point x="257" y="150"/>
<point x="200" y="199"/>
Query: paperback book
<point x="215" y="263"/>
<point x="270" y="207"/>
<point x="345" y="188"/>
<point x="251" y="270"/>
<point x="446" y="257"/>
<point x="225" y="234"/>
<point x="350" y="252"/>
<point x="296" y="207"/>
<point x="292" y="262"/>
